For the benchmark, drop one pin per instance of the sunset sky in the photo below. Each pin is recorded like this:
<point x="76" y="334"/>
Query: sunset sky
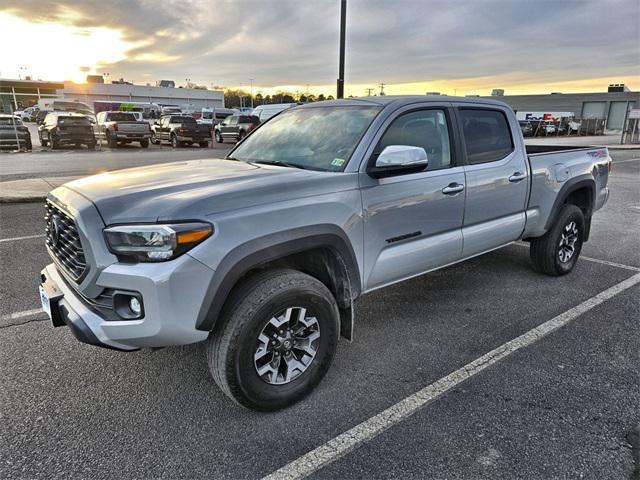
<point x="456" y="47"/>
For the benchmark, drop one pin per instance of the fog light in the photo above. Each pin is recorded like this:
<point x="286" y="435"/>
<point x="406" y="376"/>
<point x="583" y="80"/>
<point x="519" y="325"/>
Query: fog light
<point x="134" y="305"/>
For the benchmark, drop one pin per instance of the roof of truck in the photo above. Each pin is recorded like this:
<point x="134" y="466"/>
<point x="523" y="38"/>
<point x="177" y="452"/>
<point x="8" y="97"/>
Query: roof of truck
<point x="400" y="100"/>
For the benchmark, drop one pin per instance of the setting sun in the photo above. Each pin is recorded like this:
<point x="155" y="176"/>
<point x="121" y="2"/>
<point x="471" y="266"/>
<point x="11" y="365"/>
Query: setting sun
<point x="58" y="51"/>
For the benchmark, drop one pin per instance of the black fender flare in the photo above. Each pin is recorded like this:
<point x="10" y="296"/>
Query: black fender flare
<point x="269" y="248"/>
<point x="567" y="189"/>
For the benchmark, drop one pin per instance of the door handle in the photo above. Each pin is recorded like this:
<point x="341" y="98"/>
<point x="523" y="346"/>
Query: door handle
<point x="516" y="177"/>
<point x="452" y="189"/>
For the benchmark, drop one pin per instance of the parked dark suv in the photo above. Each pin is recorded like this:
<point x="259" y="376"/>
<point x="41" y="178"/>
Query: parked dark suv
<point x="13" y="133"/>
<point x="235" y="127"/>
<point x="66" y="128"/>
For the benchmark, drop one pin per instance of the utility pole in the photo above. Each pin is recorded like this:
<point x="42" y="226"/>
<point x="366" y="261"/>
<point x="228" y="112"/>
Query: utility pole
<point x="343" y="27"/>
<point x="369" y="90"/>
<point x="382" y="89"/>
<point x="251" y="82"/>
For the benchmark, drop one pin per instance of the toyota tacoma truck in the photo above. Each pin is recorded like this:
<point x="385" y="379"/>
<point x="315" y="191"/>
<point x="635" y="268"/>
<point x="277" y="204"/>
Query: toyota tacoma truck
<point x="121" y="127"/>
<point x="263" y="254"/>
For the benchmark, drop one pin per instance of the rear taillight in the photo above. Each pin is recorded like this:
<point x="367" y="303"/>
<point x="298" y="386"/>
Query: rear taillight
<point x="115" y="127"/>
<point x="181" y="130"/>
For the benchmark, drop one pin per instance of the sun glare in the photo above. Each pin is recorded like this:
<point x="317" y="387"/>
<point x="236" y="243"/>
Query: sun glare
<point x="53" y="51"/>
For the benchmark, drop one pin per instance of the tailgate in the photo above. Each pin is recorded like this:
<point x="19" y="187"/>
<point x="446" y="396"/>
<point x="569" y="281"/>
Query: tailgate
<point x="133" y="127"/>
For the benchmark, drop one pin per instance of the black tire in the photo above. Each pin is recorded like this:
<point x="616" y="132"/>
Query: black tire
<point x="54" y="143"/>
<point x="43" y="142"/>
<point x="232" y="345"/>
<point x="144" y="143"/>
<point x="91" y="145"/>
<point x="111" y="142"/>
<point x="175" y="143"/>
<point x="218" y="137"/>
<point x="545" y="251"/>
<point x="27" y="145"/>
<point x="203" y="144"/>
<point x="154" y="139"/>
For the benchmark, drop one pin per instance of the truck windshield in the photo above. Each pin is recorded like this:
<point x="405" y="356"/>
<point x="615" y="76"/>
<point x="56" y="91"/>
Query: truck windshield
<point x="317" y="138"/>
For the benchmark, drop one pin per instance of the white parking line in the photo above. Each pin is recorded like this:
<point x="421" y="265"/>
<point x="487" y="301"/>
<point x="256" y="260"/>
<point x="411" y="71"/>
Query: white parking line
<point x="625" y="161"/>
<point x="374" y="426"/>
<point x="18" y="315"/>
<point x="20" y="238"/>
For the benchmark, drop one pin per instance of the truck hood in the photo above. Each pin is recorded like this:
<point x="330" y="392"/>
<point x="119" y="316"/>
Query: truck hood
<point x="198" y="188"/>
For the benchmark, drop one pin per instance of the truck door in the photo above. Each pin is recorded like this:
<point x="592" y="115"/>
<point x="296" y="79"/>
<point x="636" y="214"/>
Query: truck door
<point x="496" y="178"/>
<point x="412" y="222"/>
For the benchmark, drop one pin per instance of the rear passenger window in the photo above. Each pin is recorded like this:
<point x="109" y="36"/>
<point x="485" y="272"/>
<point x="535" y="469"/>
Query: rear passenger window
<point x="422" y="128"/>
<point x="486" y="135"/>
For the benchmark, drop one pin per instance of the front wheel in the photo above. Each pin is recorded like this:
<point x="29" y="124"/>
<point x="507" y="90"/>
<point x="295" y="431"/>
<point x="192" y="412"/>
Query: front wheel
<point x="154" y="138"/>
<point x="557" y="251"/>
<point x="218" y="137"/>
<point x="174" y="142"/>
<point x="276" y="341"/>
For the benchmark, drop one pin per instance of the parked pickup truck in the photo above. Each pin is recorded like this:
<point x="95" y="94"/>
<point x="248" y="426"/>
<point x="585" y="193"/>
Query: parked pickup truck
<point x="121" y="127"/>
<point x="180" y="130"/>
<point x="264" y="253"/>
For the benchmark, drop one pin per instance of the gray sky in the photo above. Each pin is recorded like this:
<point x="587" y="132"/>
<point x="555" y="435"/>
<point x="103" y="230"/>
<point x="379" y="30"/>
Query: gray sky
<point x="289" y="42"/>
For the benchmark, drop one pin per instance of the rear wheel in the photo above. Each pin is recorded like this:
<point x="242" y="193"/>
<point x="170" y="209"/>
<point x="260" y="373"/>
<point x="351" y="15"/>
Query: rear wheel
<point x="276" y="340"/>
<point x="91" y="145"/>
<point x="203" y="144"/>
<point x="54" y="143"/>
<point x="144" y="143"/>
<point x="174" y="142"/>
<point x="43" y="141"/>
<point x="154" y="139"/>
<point x="111" y="142"/>
<point x="219" y="138"/>
<point x="557" y="251"/>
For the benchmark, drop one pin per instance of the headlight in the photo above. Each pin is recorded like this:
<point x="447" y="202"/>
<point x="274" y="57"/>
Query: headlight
<point x="155" y="243"/>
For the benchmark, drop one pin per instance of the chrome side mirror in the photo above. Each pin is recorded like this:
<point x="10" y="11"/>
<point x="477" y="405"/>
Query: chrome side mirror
<point x="399" y="159"/>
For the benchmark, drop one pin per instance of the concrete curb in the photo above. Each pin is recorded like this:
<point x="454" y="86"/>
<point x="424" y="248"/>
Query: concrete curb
<point x="31" y="189"/>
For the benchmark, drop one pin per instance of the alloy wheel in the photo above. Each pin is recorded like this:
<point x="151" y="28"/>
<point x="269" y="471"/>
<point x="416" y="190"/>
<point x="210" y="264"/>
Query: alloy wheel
<point x="568" y="239"/>
<point x="286" y="346"/>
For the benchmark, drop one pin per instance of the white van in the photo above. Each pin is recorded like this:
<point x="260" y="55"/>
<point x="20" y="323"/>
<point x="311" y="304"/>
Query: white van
<point x="265" y="112"/>
<point x="206" y="115"/>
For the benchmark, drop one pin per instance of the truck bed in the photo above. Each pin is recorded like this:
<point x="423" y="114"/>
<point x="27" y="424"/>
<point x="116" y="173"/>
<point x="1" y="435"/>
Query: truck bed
<point x="544" y="149"/>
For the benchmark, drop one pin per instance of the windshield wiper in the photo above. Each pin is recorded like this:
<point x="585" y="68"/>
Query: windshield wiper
<point x="280" y="164"/>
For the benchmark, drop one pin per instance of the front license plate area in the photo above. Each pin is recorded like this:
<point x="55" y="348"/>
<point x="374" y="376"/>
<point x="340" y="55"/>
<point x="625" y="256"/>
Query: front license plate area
<point x="44" y="300"/>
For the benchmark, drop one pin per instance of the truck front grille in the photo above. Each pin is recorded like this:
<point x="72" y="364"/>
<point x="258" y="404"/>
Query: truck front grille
<point x="63" y="242"/>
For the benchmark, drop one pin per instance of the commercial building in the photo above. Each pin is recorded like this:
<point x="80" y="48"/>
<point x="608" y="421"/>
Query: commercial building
<point x="18" y="94"/>
<point x="611" y="105"/>
<point x="24" y="93"/>
<point x="89" y="92"/>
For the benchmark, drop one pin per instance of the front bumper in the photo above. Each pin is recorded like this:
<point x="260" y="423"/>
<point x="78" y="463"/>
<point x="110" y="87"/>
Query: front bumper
<point x="172" y="294"/>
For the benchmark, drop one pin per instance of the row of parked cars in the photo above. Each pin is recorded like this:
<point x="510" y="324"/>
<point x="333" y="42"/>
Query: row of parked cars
<point x="62" y="128"/>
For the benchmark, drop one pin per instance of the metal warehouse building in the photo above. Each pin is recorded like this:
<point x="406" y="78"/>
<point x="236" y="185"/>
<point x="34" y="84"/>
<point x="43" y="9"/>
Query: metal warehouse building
<point x="24" y="93"/>
<point x="612" y="105"/>
<point x="89" y="92"/>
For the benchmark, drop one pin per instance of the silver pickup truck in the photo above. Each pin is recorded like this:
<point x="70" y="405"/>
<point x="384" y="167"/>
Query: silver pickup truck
<point x="121" y="127"/>
<point x="263" y="254"/>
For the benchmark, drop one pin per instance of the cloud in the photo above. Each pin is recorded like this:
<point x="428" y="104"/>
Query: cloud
<point x="288" y="42"/>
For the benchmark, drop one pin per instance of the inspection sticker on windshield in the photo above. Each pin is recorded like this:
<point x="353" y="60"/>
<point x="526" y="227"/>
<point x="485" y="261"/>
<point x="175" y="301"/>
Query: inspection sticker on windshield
<point x="337" y="162"/>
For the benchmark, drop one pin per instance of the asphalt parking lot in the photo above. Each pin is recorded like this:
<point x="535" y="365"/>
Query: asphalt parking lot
<point x="564" y="405"/>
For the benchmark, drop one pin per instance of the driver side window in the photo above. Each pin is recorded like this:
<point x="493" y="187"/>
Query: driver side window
<point x="422" y="128"/>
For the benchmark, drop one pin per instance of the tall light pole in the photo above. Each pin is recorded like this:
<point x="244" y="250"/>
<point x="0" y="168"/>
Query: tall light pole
<point x="251" y="83"/>
<point x="343" y="27"/>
